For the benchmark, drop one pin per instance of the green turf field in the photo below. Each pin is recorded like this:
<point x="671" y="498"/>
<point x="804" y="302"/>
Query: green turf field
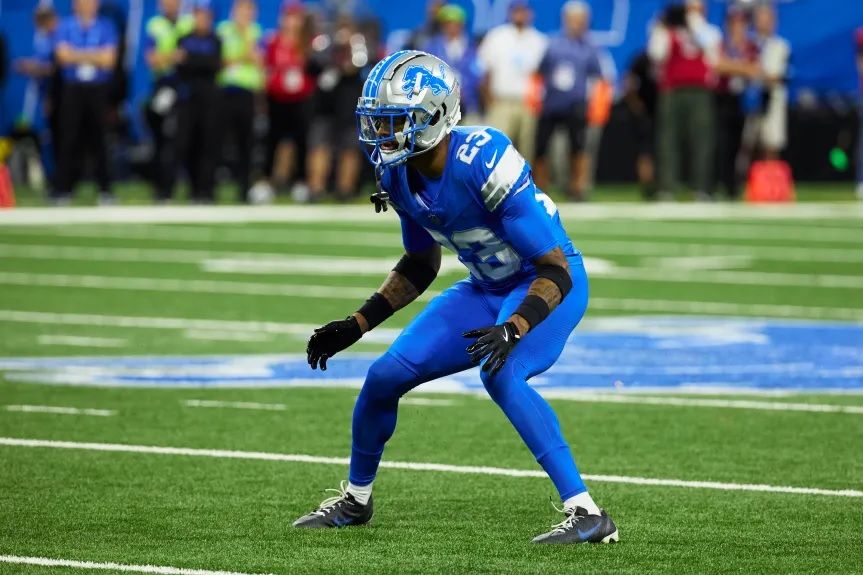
<point x="96" y="484"/>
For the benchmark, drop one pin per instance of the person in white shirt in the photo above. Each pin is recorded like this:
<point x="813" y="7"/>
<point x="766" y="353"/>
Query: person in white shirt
<point x="774" y="53"/>
<point x="510" y="55"/>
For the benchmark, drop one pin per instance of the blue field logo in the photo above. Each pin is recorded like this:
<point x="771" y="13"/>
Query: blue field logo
<point x="417" y="78"/>
<point x="641" y="353"/>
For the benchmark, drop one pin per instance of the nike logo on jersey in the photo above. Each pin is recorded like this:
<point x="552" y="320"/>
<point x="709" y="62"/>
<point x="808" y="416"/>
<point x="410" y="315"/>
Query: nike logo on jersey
<point x="490" y="164"/>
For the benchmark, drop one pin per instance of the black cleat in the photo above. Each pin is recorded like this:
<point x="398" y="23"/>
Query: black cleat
<point x="341" y="510"/>
<point x="580" y="527"/>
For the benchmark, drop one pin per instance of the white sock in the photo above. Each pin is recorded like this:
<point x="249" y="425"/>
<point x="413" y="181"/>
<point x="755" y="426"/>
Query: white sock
<point x="361" y="493"/>
<point x="583" y="500"/>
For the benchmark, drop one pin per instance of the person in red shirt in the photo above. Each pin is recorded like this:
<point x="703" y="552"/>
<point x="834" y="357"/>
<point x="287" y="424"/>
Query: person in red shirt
<point x="684" y="47"/>
<point x="290" y="84"/>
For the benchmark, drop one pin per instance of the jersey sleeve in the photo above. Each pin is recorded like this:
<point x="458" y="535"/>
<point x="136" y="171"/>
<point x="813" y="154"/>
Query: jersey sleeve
<point x="415" y="238"/>
<point x="528" y="226"/>
<point x="496" y="168"/>
<point x="506" y="188"/>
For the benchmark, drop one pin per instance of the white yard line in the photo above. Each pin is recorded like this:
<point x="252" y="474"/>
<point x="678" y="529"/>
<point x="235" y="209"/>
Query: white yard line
<point x="718" y="231"/>
<point x="412" y="466"/>
<point x="692" y="248"/>
<point x="184" y="286"/>
<point x="217" y="236"/>
<point x="364" y="213"/>
<point x="81" y="341"/>
<point x="55" y="409"/>
<point x="698" y="402"/>
<point x="354" y="293"/>
<point x="724" y="308"/>
<point x="591" y="247"/>
<point x="159" y="570"/>
<point x="379" y="335"/>
<point x="235" y="404"/>
<point x="212" y="335"/>
<point x="427" y="401"/>
<point x="155" y="322"/>
<point x="732" y="277"/>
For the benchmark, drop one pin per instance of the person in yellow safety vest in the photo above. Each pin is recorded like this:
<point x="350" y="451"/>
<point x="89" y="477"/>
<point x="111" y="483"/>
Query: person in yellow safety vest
<point x="241" y="80"/>
<point x="162" y="34"/>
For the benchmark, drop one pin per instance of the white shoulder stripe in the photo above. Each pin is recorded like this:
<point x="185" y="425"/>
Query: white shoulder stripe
<point x="502" y="178"/>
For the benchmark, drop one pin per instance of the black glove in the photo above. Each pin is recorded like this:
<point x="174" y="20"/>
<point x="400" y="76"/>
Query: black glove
<point x="496" y="342"/>
<point x="379" y="199"/>
<point x="329" y="340"/>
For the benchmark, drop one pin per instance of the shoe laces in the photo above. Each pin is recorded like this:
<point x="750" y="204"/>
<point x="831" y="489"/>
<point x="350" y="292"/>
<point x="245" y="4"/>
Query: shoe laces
<point x="569" y="520"/>
<point x="331" y="503"/>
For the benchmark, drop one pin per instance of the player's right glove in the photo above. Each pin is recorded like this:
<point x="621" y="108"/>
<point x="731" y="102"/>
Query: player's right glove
<point x="330" y="339"/>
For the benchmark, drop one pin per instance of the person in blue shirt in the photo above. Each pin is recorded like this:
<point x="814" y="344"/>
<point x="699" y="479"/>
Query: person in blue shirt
<point x="469" y="190"/>
<point x="199" y="61"/>
<point x="86" y="54"/>
<point x="41" y="112"/>
<point x="456" y="48"/>
<point x="571" y="61"/>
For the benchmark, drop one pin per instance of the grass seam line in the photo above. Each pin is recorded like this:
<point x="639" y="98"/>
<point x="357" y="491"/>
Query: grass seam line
<point x="412" y="466"/>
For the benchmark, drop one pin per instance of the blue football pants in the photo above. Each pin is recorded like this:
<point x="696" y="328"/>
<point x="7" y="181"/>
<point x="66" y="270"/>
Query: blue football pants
<point x="432" y="346"/>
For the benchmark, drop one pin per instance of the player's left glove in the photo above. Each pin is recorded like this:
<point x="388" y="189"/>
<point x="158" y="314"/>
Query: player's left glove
<point x="330" y="339"/>
<point x="494" y="342"/>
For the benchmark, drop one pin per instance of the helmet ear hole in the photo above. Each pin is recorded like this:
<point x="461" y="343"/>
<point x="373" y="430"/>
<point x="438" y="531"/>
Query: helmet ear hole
<point x="437" y="116"/>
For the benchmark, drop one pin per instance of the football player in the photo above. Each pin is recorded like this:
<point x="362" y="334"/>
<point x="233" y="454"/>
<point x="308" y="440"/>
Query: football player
<point x="465" y="188"/>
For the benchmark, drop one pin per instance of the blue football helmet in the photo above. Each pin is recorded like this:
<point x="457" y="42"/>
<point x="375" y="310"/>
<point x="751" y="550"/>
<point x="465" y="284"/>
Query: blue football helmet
<point x="410" y="101"/>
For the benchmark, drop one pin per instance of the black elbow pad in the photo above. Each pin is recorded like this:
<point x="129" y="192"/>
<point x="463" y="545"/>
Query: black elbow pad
<point x="556" y="274"/>
<point x="420" y="274"/>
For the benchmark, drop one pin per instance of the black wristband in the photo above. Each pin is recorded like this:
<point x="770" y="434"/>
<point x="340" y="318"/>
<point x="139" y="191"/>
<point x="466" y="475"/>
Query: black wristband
<point x="376" y="309"/>
<point x="557" y="275"/>
<point x="420" y="275"/>
<point x="533" y="309"/>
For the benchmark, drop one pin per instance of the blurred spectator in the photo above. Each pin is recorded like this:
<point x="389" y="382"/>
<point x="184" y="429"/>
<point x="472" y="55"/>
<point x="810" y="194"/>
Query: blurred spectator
<point x="431" y="28"/>
<point x="859" y="42"/>
<point x="570" y="62"/>
<point x="86" y="52"/>
<point x="241" y="79"/>
<point x="685" y="47"/>
<point x="736" y="66"/>
<point x="774" y="53"/>
<point x="640" y="97"/>
<point x="342" y="55"/>
<point x="456" y="48"/>
<point x="510" y="55"/>
<point x="290" y="85"/>
<point x="41" y="69"/>
<point x="199" y="60"/>
<point x="163" y="31"/>
<point x="4" y="62"/>
<point x="599" y="104"/>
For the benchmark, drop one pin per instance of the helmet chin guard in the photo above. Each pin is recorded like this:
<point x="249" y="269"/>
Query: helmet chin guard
<point x="410" y="102"/>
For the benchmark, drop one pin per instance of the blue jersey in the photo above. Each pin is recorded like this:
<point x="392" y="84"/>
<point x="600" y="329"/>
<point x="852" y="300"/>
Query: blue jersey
<point x="485" y="208"/>
<point x="100" y="33"/>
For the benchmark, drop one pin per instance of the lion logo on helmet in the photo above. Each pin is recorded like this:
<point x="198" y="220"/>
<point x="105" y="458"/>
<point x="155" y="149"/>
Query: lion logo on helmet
<point x="417" y="78"/>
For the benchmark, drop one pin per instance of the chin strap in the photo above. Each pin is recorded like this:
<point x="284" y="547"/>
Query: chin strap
<point x="380" y="197"/>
